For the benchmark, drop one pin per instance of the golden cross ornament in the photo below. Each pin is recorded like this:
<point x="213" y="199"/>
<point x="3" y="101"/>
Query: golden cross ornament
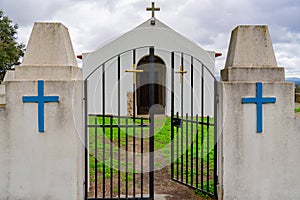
<point x="181" y="71"/>
<point x="153" y="9"/>
<point x="134" y="71"/>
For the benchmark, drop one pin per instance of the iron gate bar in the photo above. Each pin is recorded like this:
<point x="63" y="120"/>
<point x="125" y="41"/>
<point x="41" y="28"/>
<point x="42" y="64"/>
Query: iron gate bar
<point x="181" y="96"/>
<point x="180" y="121"/>
<point x="151" y="95"/>
<point x="142" y="160"/>
<point x="172" y="115"/>
<point x="119" y="130"/>
<point x="96" y="159"/>
<point x="103" y="129"/>
<point x="207" y="154"/>
<point x="177" y="148"/>
<point x="192" y="118"/>
<point x="116" y="126"/>
<point x="215" y="138"/>
<point x="194" y="121"/>
<point x="202" y="120"/>
<point x="121" y="117"/>
<point x="126" y="148"/>
<point x="197" y="151"/>
<point x="186" y="147"/>
<point x="134" y="134"/>
<point x="111" y="156"/>
<point x="86" y="140"/>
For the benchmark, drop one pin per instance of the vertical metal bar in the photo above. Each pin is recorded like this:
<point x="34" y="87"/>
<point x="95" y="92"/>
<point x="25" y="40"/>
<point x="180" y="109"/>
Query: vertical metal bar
<point x="215" y="136"/>
<point x="134" y="83"/>
<point x="96" y="158"/>
<point x="202" y="126"/>
<point x="187" y="149"/>
<point x="126" y="147"/>
<point x="119" y="130"/>
<point x="172" y="115"/>
<point x="181" y="149"/>
<point x="86" y="158"/>
<point x="182" y="65"/>
<point x="134" y="152"/>
<point x="151" y="95"/>
<point x="103" y="129"/>
<point x="111" y="156"/>
<point x="142" y="159"/>
<point x="177" y="149"/>
<point x="134" y="122"/>
<point x="197" y="151"/>
<point x="207" y="154"/>
<point x="192" y="116"/>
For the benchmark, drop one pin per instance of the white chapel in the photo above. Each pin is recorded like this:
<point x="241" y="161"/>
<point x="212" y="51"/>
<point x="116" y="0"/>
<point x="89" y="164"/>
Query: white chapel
<point x="116" y="89"/>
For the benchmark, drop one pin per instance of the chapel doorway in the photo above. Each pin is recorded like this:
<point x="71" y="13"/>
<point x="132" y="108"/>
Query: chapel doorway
<point x="144" y="84"/>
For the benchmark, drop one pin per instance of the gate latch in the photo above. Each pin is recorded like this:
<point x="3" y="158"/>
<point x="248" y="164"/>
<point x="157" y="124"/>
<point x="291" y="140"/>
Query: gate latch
<point x="177" y="122"/>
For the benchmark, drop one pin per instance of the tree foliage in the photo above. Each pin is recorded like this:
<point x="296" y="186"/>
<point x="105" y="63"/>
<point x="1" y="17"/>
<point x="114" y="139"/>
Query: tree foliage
<point x="10" y="50"/>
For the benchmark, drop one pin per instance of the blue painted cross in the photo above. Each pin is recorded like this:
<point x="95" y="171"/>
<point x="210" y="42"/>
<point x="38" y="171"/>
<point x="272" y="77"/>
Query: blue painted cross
<point x="41" y="100"/>
<point x="259" y="101"/>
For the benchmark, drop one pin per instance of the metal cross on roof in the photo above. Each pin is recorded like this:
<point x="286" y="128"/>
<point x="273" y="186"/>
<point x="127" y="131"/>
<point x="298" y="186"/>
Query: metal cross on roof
<point x="153" y="9"/>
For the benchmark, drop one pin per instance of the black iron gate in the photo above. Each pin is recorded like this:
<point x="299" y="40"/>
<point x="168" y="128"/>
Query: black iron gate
<point x="116" y="143"/>
<point x="194" y="134"/>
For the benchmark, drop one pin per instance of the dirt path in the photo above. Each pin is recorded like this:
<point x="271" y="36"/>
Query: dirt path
<point x="163" y="185"/>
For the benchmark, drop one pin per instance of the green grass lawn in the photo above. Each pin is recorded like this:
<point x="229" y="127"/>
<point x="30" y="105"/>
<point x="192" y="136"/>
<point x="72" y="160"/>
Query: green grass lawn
<point x="185" y="140"/>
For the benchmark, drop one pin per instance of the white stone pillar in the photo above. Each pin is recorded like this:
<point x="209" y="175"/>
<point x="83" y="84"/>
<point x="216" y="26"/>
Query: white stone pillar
<point x="254" y="164"/>
<point x="47" y="163"/>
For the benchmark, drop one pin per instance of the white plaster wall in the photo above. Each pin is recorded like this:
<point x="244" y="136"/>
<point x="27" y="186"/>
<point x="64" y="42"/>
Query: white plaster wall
<point x="45" y="165"/>
<point x="260" y="166"/>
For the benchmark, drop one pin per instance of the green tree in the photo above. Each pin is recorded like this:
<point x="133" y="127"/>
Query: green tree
<point x="10" y="50"/>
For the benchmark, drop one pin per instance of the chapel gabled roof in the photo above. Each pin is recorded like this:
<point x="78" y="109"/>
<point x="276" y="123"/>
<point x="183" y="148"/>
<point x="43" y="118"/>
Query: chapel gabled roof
<point x="158" y="24"/>
<point x="158" y="35"/>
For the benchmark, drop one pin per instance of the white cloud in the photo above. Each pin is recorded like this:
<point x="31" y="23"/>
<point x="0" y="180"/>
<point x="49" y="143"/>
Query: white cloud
<point x="208" y="22"/>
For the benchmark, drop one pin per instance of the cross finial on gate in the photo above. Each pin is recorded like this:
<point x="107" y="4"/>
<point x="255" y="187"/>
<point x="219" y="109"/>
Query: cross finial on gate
<point x="134" y="71"/>
<point x="153" y="9"/>
<point x="181" y="71"/>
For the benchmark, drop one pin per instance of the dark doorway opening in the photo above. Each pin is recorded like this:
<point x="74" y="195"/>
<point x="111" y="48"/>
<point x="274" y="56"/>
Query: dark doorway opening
<point x="144" y="85"/>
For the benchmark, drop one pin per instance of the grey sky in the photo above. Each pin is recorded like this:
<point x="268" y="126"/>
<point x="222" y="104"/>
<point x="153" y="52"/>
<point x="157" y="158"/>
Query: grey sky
<point x="206" y="22"/>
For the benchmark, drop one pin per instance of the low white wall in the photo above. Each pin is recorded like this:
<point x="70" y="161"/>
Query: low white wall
<point x="47" y="165"/>
<point x="260" y="166"/>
